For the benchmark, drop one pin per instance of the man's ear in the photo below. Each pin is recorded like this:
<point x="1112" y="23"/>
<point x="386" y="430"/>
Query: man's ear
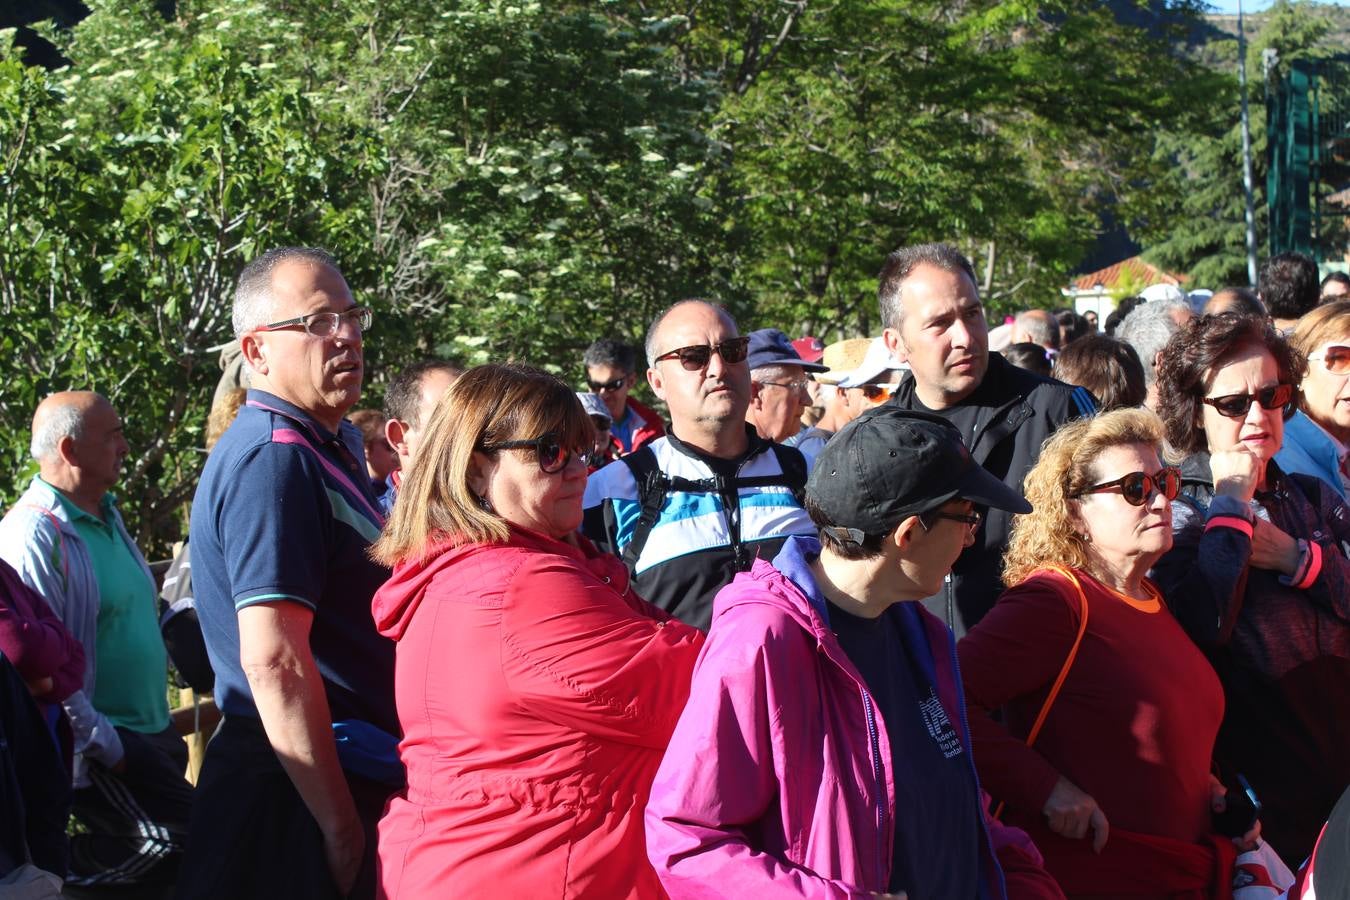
<point x="396" y="433"/>
<point x="658" y="386"/>
<point x="65" y="448"/>
<point x="251" y="346"/>
<point x="904" y="533"/>
<point x="895" y="344"/>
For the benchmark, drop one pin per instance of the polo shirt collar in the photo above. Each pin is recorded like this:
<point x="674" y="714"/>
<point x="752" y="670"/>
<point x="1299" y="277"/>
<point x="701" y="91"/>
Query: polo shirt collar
<point x="105" y="504"/>
<point x="262" y="399"/>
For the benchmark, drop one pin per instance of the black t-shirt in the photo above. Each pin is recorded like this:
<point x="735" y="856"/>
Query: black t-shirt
<point x="936" y="855"/>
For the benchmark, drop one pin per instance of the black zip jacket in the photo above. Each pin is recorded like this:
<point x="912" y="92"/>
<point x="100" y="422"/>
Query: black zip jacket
<point x="1004" y="421"/>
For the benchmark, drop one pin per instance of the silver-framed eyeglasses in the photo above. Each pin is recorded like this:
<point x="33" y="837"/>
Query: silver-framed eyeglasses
<point x="325" y="324"/>
<point x="790" y="385"/>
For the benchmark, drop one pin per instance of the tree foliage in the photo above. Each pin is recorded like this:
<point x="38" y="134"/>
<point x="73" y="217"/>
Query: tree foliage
<point x="512" y="179"/>
<point x="1201" y="227"/>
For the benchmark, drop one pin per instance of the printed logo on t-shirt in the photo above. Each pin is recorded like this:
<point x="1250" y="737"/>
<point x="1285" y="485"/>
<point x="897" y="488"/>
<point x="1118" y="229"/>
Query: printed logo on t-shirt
<point x="939" y="726"/>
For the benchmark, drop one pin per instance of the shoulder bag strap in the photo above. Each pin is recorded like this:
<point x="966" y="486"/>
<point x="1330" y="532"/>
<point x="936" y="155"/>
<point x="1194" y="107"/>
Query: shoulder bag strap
<point x="1068" y="661"/>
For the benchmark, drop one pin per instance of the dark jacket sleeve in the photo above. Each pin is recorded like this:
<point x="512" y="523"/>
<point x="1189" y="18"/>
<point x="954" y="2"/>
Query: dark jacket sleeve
<point x="1330" y="587"/>
<point x="1204" y="576"/>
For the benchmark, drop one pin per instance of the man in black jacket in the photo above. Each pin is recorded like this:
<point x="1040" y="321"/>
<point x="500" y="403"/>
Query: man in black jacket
<point x="934" y="320"/>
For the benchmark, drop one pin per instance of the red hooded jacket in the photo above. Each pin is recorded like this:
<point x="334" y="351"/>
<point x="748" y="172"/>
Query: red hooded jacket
<point x="537" y="694"/>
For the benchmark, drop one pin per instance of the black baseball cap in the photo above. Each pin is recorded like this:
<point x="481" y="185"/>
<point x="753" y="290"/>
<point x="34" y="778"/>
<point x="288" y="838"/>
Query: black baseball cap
<point x="889" y="464"/>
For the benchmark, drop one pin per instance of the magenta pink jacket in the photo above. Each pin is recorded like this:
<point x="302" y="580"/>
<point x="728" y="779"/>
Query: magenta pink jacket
<point x="769" y="788"/>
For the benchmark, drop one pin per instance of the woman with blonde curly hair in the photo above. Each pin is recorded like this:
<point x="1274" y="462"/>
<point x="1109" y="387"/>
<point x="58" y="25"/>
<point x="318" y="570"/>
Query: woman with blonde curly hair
<point x="1103" y="755"/>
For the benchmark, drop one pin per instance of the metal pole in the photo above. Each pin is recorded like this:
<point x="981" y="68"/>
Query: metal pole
<point x="1246" y="152"/>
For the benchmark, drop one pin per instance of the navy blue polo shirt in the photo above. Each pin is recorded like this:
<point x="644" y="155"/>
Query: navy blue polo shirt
<point x="284" y="513"/>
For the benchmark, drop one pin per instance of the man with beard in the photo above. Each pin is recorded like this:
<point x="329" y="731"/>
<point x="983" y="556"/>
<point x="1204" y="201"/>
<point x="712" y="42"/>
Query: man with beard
<point x="693" y="508"/>
<point x="297" y="774"/>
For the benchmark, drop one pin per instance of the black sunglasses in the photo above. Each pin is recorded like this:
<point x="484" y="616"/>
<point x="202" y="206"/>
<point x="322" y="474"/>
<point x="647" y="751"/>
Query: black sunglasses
<point x="598" y="386"/>
<point x="696" y="358"/>
<point x="1137" y="487"/>
<point x="1235" y="406"/>
<point x="548" y="451"/>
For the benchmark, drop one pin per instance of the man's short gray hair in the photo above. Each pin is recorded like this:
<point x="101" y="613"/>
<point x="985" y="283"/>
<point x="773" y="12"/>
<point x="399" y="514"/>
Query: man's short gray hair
<point x="65" y="421"/>
<point x="1040" y="326"/>
<point x="1148" y="328"/>
<point x="901" y="263"/>
<point x="253" y="300"/>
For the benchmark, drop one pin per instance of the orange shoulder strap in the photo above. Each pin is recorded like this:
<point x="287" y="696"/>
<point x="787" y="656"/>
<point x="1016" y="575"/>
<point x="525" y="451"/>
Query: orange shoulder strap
<point x="1068" y="660"/>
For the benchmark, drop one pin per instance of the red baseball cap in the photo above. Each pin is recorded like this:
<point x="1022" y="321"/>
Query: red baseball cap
<point x="809" y="348"/>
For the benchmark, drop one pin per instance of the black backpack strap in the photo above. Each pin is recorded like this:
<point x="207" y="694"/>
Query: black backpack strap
<point x="793" y="463"/>
<point x="652" y="486"/>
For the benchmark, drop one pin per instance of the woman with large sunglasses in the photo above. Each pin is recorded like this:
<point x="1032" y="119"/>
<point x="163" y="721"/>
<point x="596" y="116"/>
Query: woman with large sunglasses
<point x="1317" y="438"/>
<point x="535" y="690"/>
<point x="1110" y="712"/>
<point x="1258" y="575"/>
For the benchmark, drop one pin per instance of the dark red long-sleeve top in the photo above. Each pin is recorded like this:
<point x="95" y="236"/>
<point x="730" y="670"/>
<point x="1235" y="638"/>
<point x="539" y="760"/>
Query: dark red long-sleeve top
<point x="1133" y="726"/>
<point x="35" y="641"/>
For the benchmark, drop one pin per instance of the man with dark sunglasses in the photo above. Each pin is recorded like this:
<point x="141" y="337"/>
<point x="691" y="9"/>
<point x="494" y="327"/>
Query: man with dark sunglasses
<point x="611" y="372"/>
<point x="691" y="509"/>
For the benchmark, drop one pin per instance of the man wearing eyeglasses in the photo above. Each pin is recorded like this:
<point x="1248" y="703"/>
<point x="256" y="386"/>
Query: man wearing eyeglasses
<point x="778" y="385"/>
<point x="935" y="322"/>
<point x="693" y="508"/>
<point x="611" y="372"/>
<point x="296" y="776"/>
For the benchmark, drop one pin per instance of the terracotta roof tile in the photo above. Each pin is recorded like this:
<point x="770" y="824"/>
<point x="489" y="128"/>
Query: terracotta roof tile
<point x="1138" y="270"/>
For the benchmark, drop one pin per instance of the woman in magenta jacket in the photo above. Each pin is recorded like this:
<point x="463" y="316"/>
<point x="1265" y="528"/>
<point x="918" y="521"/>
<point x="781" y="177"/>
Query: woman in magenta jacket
<point x="824" y="752"/>
<point x="536" y="692"/>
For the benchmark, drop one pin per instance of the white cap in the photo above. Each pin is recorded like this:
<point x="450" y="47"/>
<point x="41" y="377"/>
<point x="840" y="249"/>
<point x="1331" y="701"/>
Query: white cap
<point x="1162" y="292"/>
<point x="877" y="362"/>
<point x="594" y="406"/>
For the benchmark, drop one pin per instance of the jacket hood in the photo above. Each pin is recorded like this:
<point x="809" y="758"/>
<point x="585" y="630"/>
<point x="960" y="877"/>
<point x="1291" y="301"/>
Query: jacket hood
<point x="398" y="598"/>
<point x="786" y="584"/>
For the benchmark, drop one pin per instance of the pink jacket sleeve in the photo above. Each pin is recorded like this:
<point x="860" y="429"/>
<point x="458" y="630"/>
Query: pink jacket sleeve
<point x="700" y="816"/>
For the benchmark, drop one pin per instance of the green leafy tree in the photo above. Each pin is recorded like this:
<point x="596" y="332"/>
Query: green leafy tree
<point x="1200" y="227"/>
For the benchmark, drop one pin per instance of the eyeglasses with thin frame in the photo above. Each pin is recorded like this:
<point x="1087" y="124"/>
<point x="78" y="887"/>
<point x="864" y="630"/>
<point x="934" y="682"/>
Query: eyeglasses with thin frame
<point x="972" y="519"/>
<point x="790" y="385"/>
<point x="549" y="452"/>
<point x="613" y="384"/>
<point x="697" y="357"/>
<point x="1138" y="488"/>
<point x="1235" y="406"/>
<point x="1335" y="358"/>
<point x="325" y="324"/>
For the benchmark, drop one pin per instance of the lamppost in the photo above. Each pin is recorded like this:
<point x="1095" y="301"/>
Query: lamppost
<point x="1246" y="152"/>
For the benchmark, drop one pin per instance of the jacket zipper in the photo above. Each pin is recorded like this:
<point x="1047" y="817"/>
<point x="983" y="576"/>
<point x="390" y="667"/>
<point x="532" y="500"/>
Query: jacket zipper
<point x="883" y="881"/>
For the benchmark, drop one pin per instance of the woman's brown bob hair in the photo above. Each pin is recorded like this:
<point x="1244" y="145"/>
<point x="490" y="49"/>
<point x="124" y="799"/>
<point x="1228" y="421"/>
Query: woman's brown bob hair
<point x="1108" y="367"/>
<point x="1195" y="353"/>
<point x="1047" y="536"/>
<point x="486" y="405"/>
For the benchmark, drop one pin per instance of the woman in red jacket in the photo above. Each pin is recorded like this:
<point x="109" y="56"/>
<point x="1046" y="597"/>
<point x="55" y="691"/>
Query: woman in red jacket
<point x="536" y="691"/>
